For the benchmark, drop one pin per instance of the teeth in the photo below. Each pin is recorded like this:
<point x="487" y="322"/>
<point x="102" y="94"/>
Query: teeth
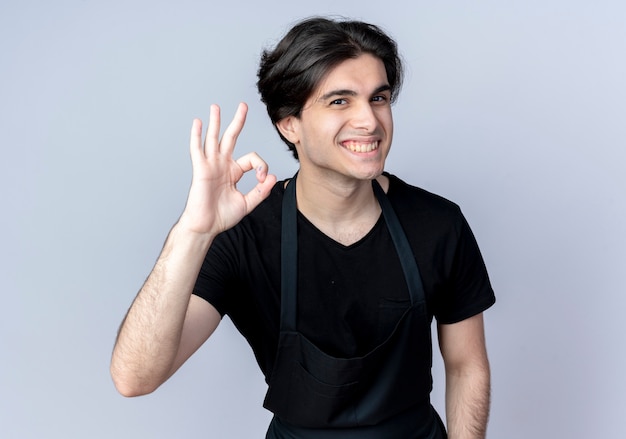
<point x="361" y="147"/>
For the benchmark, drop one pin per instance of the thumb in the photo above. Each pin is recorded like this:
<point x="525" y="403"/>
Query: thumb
<point x="260" y="192"/>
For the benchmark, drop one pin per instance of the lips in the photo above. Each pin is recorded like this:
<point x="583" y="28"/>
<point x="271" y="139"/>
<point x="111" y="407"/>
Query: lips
<point x="360" y="146"/>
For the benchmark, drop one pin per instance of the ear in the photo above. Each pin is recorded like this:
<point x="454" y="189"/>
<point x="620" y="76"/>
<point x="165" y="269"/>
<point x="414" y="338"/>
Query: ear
<point x="288" y="127"/>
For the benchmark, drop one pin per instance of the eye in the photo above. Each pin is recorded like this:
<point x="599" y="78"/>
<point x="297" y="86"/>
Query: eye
<point x="338" y="102"/>
<point x="380" y="98"/>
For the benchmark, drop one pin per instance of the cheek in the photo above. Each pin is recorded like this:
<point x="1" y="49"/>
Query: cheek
<point x="322" y="131"/>
<point x="386" y="120"/>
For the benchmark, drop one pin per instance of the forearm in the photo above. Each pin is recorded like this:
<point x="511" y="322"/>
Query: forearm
<point x="467" y="401"/>
<point x="149" y="336"/>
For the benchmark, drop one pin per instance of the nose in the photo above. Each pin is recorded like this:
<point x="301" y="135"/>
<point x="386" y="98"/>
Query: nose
<point x="364" y="117"/>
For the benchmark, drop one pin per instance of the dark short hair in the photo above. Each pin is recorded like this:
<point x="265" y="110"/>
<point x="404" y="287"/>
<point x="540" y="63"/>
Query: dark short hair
<point x="291" y="72"/>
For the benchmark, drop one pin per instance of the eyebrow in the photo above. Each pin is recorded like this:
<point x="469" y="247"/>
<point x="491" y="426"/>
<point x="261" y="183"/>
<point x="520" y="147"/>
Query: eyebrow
<point x="348" y="92"/>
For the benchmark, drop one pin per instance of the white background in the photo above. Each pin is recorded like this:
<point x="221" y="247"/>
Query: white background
<point x="515" y="110"/>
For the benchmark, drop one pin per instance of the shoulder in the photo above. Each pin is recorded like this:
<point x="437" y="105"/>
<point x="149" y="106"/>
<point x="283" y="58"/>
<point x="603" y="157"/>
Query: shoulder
<point x="413" y="203"/>
<point x="446" y="252"/>
<point x="400" y="189"/>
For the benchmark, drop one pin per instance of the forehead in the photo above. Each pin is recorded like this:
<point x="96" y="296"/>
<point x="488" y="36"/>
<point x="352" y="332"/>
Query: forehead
<point x="361" y="75"/>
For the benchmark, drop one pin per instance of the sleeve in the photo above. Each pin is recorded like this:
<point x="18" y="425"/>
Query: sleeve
<point x="467" y="290"/>
<point x="217" y="274"/>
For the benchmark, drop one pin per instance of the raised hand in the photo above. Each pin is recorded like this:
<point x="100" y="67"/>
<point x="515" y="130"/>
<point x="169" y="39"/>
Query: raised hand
<point x="214" y="203"/>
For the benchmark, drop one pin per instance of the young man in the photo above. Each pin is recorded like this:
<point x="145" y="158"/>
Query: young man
<point x="334" y="275"/>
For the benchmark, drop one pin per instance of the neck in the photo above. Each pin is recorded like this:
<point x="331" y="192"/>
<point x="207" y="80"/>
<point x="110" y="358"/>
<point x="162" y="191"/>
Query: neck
<point x="333" y="199"/>
<point x="343" y="209"/>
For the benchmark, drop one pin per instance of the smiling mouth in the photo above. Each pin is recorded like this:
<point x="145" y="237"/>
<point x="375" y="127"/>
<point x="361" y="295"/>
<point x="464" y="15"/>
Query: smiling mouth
<point x="360" y="147"/>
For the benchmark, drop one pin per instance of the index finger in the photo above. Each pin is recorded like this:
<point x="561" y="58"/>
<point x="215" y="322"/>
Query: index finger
<point x="229" y="138"/>
<point x="213" y="130"/>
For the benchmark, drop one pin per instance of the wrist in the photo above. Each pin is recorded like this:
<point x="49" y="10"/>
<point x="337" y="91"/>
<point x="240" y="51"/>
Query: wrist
<point x="184" y="230"/>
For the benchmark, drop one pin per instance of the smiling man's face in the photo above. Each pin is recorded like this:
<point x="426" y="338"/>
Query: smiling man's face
<point x="346" y="127"/>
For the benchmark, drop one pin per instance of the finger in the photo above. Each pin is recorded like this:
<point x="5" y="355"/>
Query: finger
<point x="266" y="181"/>
<point x="254" y="161"/>
<point x="229" y="138"/>
<point x="260" y="192"/>
<point x="195" y="138"/>
<point x="211" y="142"/>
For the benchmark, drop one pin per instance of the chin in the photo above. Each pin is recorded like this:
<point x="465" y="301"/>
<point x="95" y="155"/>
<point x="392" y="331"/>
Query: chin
<point x="371" y="174"/>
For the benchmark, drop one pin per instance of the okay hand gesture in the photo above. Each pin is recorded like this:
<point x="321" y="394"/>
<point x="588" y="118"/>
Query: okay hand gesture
<point x="214" y="203"/>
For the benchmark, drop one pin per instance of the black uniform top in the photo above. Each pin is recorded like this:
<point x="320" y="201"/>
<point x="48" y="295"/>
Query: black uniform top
<point x="349" y="297"/>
